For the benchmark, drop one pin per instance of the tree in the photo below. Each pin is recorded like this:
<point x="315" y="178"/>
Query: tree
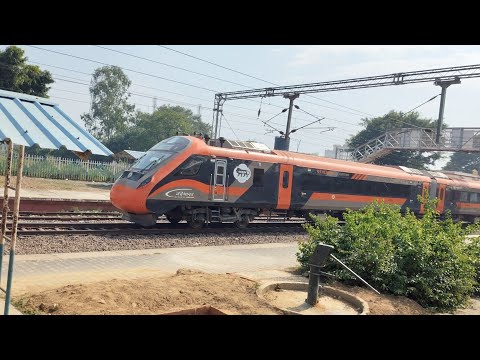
<point x="150" y="129"/>
<point x="375" y="127"/>
<point x="464" y="162"/>
<point x="16" y="75"/>
<point x="110" y="112"/>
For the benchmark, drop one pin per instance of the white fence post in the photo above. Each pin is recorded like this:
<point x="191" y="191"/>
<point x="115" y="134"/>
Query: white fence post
<point x="60" y="168"/>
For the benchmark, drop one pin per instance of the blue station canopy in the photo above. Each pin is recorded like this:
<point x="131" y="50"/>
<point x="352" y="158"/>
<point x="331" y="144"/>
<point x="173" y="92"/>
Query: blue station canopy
<point x="28" y="120"/>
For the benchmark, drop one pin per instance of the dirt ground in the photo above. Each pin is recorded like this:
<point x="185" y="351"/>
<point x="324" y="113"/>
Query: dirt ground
<point x="29" y="183"/>
<point x="384" y="304"/>
<point x="187" y="289"/>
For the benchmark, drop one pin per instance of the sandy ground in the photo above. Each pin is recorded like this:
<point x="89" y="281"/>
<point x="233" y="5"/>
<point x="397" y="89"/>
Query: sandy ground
<point x="384" y="304"/>
<point x="295" y="301"/>
<point x="187" y="289"/>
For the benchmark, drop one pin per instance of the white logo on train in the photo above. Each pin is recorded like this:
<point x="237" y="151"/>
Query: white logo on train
<point x="181" y="193"/>
<point x="242" y="173"/>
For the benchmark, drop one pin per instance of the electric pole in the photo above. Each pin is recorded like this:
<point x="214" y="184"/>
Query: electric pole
<point x="291" y="97"/>
<point x="444" y="84"/>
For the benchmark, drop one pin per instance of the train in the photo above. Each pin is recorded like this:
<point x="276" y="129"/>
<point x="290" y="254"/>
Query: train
<point x="203" y="181"/>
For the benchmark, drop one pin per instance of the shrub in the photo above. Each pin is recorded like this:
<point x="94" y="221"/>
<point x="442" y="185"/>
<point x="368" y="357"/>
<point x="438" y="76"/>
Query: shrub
<point x="425" y="259"/>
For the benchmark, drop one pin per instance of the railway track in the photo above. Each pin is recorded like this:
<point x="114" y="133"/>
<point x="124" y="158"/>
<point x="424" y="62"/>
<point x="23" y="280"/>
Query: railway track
<point x="72" y="223"/>
<point x="160" y="228"/>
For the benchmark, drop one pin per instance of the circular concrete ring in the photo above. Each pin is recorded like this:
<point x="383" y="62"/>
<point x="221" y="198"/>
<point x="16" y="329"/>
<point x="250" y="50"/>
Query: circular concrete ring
<point x="327" y="290"/>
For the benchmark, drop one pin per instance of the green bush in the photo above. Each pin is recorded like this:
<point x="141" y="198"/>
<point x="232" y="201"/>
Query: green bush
<point x="425" y="259"/>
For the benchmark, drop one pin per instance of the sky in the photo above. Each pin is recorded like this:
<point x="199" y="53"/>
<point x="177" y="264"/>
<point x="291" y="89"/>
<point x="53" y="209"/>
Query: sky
<point x="281" y="65"/>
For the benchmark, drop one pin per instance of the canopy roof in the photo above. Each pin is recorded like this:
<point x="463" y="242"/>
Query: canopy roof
<point x="28" y="120"/>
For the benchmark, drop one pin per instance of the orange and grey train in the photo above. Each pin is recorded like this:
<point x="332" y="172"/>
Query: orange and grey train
<point x="184" y="178"/>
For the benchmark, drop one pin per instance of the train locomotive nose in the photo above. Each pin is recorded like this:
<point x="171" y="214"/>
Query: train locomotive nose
<point x="128" y="199"/>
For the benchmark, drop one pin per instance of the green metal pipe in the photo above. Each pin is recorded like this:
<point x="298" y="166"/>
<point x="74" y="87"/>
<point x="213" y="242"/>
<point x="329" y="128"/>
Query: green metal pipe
<point x="1" y="262"/>
<point x="9" y="282"/>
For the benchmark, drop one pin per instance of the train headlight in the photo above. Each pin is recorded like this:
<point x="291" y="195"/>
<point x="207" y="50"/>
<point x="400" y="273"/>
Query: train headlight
<point x="145" y="182"/>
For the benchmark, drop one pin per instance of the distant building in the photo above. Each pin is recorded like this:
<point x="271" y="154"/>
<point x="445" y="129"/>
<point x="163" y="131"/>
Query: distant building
<point x="336" y="152"/>
<point x="129" y="155"/>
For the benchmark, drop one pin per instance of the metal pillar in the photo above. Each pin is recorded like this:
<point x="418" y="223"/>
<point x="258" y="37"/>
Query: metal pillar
<point x="313" y="283"/>
<point x="8" y="170"/>
<point x="444" y="84"/>
<point x="291" y="97"/>
<point x="16" y="207"/>
<point x="316" y="261"/>
<point x="217" y="110"/>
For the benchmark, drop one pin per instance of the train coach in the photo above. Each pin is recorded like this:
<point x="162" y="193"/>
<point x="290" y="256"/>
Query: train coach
<point x="203" y="181"/>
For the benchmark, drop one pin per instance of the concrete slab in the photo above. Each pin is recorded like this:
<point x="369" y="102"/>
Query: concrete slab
<point x="46" y="271"/>
<point x="64" y="194"/>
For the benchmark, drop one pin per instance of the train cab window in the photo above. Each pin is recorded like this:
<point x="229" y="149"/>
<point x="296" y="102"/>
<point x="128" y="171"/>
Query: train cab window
<point x="192" y="166"/>
<point x="258" y="175"/>
<point x="286" y="175"/>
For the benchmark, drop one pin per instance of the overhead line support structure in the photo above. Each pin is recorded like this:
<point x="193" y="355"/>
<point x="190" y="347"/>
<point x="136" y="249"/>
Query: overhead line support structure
<point x="443" y="77"/>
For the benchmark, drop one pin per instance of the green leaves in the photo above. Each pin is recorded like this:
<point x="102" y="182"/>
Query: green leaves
<point x="149" y="129"/>
<point x="465" y="162"/>
<point x="110" y="111"/>
<point x="17" y="75"/>
<point x="425" y="259"/>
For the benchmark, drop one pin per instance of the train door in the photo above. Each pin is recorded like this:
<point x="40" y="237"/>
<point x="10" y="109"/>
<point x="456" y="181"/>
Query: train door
<point x="219" y="180"/>
<point x="432" y="192"/>
<point x="285" y="186"/>
<point x="441" y="198"/>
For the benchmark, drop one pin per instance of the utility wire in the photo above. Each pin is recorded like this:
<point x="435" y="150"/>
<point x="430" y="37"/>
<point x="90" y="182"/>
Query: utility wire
<point x="228" y="123"/>
<point x="172" y="66"/>
<point x="121" y="67"/>
<point x="209" y="76"/>
<point x="254" y="77"/>
<point x="273" y="117"/>
<point x="139" y="85"/>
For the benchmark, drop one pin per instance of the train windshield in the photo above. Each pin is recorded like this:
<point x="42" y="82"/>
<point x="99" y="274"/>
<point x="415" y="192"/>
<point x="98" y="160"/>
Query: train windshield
<point x="160" y="153"/>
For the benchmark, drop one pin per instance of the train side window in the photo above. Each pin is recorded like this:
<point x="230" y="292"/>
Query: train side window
<point x="449" y="195"/>
<point x="473" y="197"/>
<point x="258" y="177"/>
<point x="286" y="175"/>
<point x="464" y="196"/>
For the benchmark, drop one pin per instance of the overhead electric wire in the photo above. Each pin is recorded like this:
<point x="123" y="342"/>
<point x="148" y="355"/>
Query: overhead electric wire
<point x="84" y="83"/>
<point x="169" y="65"/>
<point x="95" y="61"/>
<point x="139" y="85"/>
<point x="254" y="77"/>
<point x="228" y="123"/>
<point x="121" y="67"/>
<point x="194" y="72"/>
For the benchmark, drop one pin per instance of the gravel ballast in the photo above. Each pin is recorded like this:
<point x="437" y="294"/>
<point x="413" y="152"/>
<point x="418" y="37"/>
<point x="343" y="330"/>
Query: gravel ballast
<point x="48" y="244"/>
